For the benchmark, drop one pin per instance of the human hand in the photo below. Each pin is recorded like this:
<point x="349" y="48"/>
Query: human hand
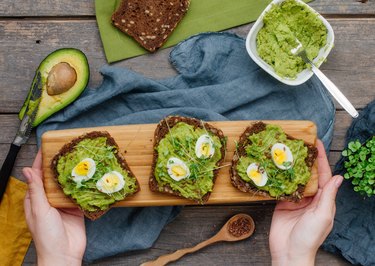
<point x="298" y="229"/>
<point x="59" y="234"/>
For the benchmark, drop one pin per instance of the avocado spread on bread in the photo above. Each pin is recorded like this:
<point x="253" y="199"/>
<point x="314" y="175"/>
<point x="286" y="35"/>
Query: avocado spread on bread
<point x="187" y="156"/>
<point x="283" y="177"/>
<point x="100" y="149"/>
<point x="180" y="143"/>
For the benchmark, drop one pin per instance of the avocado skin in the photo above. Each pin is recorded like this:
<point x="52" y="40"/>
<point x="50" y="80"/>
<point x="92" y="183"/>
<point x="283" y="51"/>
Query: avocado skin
<point x="52" y="104"/>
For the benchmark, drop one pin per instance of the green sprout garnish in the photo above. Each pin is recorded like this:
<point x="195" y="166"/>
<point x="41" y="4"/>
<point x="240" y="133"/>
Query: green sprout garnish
<point x="287" y="164"/>
<point x="360" y="166"/>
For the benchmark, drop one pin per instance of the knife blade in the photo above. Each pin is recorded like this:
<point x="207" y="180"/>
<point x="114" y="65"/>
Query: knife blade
<point x="23" y="133"/>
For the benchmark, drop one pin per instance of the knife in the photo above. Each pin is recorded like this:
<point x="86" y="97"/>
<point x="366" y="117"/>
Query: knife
<point x="22" y="135"/>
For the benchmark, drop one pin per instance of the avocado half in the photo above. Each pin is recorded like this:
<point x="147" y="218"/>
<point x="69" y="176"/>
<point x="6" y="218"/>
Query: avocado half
<point x="64" y="74"/>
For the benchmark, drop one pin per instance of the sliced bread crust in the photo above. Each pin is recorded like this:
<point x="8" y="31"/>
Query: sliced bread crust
<point x="161" y="130"/>
<point x="243" y="186"/>
<point x="93" y="215"/>
<point x="149" y="22"/>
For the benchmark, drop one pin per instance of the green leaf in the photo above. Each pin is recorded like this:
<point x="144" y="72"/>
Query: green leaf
<point x="354" y="145"/>
<point x="287" y="164"/>
<point x="360" y="166"/>
<point x="358" y="144"/>
<point x="362" y="157"/>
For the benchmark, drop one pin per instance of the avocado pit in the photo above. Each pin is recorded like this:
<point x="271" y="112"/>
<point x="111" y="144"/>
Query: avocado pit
<point x="61" y="78"/>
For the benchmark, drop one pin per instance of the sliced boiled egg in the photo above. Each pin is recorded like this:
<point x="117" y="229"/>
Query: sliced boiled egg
<point x="111" y="182"/>
<point x="257" y="174"/>
<point x="282" y="156"/>
<point x="177" y="169"/>
<point x="84" y="170"/>
<point x="204" y="147"/>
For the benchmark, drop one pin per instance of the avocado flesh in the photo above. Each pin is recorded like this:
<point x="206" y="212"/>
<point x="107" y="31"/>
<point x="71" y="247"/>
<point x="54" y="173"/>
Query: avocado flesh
<point x="50" y="104"/>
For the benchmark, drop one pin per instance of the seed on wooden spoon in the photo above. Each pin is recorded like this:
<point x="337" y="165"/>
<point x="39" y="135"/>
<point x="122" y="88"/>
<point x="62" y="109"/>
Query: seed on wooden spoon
<point x="239" y="227"/>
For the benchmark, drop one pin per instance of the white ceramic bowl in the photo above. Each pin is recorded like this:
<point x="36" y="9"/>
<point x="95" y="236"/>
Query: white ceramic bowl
<point x="251" y="47"/>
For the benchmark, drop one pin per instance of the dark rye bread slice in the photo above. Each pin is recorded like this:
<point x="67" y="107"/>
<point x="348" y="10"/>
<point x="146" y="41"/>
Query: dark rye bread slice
<point x="162" y="129"/>
<point x="243" y="186"/>
<point x="149" y="22"/>
<point x="93" y="215"/>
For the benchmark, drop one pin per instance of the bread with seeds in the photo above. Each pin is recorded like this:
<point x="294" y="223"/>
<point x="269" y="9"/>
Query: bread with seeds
<point x="92" y="173"/>
<point x="149" y="22"/>
<point x="269" y="162"/>
<point x="187" y="155"/>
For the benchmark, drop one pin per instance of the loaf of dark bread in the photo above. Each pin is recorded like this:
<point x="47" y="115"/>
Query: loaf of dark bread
<point x="249" y="187"/>
<point x="149" y="22"/>
<point x="110" y="142"/>
<point x="162" y="129"/>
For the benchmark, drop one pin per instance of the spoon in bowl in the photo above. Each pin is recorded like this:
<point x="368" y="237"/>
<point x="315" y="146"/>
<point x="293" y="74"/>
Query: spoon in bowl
<point x="331" y="87"/>
<point x="239" y="227"/>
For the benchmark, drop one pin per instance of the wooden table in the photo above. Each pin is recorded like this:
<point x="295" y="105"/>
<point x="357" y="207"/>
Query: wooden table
<point x="29" y="30"/>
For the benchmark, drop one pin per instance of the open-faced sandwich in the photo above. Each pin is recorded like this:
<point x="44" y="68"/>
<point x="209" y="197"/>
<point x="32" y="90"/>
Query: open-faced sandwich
<point x="187" y="156"/>
<point x="91" y="171"/>
<point x="271" y="163"/>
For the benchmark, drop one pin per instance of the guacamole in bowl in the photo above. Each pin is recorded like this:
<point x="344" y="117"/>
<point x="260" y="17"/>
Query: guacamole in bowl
<point x="275" y="33"/>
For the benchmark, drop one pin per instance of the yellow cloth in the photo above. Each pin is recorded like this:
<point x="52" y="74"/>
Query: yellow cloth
<point x="15" y="237"/>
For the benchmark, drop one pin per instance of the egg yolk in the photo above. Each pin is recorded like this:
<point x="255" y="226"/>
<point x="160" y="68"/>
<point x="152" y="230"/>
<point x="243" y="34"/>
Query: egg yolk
<point x="178" y="170"/>
<point x="279" y="156"/>
<point x="82" y="168"/>
<point x="205" y="149"/>
<point x="111" y="181"/>
<point x="255" y="175"/>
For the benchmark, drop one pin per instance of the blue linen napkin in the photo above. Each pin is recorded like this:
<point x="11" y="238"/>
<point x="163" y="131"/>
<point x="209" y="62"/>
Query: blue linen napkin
<point x="217" y="80"/>
<point x="353" y="233"/>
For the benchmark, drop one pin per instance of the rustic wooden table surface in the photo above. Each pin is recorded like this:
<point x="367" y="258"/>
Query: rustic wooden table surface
<point x="29" y="30"/>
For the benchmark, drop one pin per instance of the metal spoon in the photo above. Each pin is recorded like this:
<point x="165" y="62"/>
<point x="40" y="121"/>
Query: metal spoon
<point x="227" y="233"/>
<point x="331" y="87"/>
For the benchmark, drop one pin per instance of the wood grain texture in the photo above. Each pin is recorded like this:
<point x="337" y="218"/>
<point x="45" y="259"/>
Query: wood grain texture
<point x="67" y="8"/>
<point x="137" y="142"/>
<point x="10" y="122"/>
<point x="27" y="153"/>
<point x="54" y="24"/>
<point x="195" y="224"/>
<point x="9" y="127"/>
<point x="349" y="65"/>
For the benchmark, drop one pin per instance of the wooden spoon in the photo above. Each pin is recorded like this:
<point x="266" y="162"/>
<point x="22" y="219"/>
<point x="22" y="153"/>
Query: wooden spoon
<point x="239" y="227"/>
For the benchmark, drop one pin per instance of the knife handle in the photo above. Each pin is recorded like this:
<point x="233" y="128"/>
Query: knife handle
<point x="7" y="167"/>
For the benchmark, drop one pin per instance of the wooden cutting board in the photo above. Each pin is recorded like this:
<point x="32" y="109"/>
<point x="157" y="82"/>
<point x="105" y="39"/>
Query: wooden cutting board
<point x="136" y="143"/>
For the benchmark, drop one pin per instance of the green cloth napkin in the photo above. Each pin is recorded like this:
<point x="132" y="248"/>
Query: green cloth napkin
<point x="202" y="16"/>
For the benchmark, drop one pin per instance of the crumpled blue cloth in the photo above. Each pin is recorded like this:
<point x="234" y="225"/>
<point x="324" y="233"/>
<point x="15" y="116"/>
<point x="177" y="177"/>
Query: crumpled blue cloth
<point x="217" y="80"/>
<point x="353" y="233"/>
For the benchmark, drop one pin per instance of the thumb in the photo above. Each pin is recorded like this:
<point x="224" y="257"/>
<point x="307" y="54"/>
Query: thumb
<point x="327" y="205"/>
<point x="37" y="195"/>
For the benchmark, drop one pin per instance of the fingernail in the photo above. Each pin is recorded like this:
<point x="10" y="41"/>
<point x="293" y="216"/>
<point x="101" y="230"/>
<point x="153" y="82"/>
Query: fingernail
<point x="338" y="180"/>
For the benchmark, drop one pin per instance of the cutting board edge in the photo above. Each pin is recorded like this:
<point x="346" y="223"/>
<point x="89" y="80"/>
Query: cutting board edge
<point x="106" y="128"/>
